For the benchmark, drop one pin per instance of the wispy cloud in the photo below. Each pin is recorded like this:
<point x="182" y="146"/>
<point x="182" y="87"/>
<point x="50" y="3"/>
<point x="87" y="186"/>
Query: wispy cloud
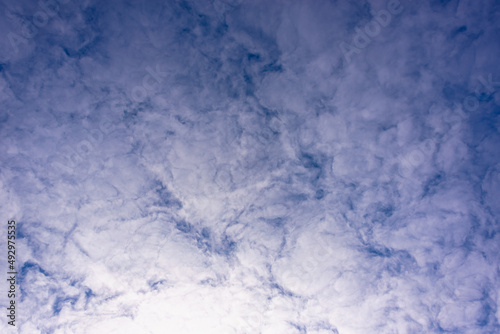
<point x="252" y="167"/>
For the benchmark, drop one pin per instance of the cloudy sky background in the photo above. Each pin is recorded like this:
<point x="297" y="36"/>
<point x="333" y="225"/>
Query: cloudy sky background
<point x="261" y="166"/>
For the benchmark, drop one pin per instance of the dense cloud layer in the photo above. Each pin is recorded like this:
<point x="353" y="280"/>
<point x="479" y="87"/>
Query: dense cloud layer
<point x="237" y="166"/>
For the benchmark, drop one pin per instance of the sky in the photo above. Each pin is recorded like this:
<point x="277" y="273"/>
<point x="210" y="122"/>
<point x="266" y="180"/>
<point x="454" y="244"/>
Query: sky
<point x="246" y="167"/>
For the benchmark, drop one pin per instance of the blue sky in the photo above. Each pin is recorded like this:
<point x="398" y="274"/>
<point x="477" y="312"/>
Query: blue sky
<point x="235" y="166"/>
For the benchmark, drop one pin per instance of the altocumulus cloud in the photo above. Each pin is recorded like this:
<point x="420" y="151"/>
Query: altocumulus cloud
<point x="258" y="166"/>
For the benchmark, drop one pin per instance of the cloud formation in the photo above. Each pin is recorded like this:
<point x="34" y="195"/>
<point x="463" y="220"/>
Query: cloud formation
<point x="252" y="166"/>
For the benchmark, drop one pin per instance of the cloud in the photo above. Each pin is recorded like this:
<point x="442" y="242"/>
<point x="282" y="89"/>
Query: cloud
<point x="234" y="167"/>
